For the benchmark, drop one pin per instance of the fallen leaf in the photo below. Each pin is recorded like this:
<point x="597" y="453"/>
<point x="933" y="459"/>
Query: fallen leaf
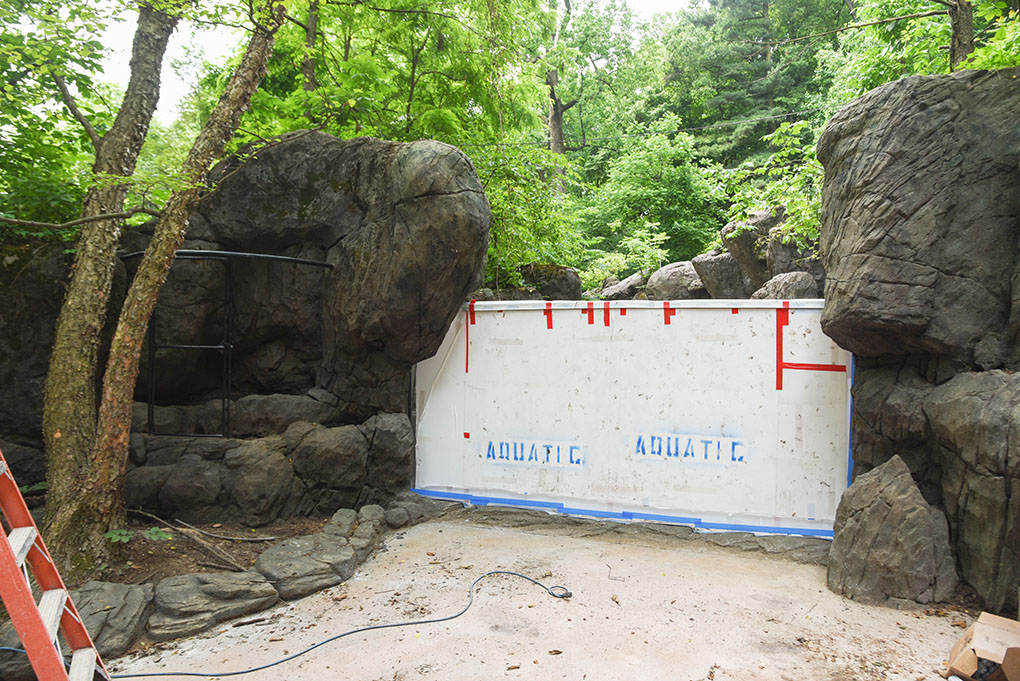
<point x="513" y="667"/>
<point x="960" y="623"/>
<point x="555" y="652"/>
<point x="615" y="599"/>
<point x="430" y="553"/>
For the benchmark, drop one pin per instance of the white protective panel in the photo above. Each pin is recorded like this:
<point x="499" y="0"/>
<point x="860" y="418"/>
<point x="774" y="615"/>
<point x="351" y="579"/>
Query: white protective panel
<point x="726" y="415"/>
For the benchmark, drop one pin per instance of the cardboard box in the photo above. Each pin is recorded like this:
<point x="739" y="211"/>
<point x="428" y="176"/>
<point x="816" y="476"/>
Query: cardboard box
<point x="990" y="638"/>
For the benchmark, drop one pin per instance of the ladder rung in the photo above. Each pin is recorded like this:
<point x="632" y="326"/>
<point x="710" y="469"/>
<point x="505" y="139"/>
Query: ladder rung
<point x="21" y="539"/>
<point x="83" y="665"/>
<point x="51" y="607"/>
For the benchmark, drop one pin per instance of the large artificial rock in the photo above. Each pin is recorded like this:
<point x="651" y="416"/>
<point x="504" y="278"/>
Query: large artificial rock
<point x="206" y="480"/>
<point x="919" y="218"/>
<point x="333" y="463"/>
<point x="747" y="242"/>
<point x="788" y="286"/>
<point x="554" y="282"/>
<point x="417" y="235"/>
<point x="975" y="424"/>
<point x="28" y="464"/>
<point x="115" y="615"/>
<point x="390" y="457"/>
<point x="889" y="543"/>
<point x="722" y="276"/>
<point x="188" y="604"/>
<point x="889" y="419"/>
<point x="260" y="415"/>
<point x="31" y="288"/>
<point x="783" y="255"/>
<point x="624" y="290"/>
<point x="675" y="281"/>
<point x="303" y="565"/>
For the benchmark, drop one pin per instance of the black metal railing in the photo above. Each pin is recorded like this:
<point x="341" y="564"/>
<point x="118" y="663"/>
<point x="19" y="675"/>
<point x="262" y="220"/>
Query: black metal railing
<point x="224" y="347"/>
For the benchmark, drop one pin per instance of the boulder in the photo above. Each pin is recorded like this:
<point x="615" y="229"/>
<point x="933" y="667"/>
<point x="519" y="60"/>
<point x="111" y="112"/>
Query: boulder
<point x="261" y="415"/>
<point x="676" y="281"/>
<point x="414" y="242"/>
<point x="722" y="276"/>
<point x="188" y="604"/>
<point x="555" y="282"/>
<point x="28" y="464"/>
<point x="919" y="218"/>
<point x="206" y="480"/>
<point x="624" y="290"/>
<point x="390" y="457"/>
<point x="332" y="463"/>
<point x="747" y="241"/>
<point x="889" y="419"/>
<point x="975" y="426"/>
<point x="788" y="286"/>
<point x="115" y="615"/>
<point x="786" y="256"/>
<point x="888" y="543"/>
<point x="302" y="565"/>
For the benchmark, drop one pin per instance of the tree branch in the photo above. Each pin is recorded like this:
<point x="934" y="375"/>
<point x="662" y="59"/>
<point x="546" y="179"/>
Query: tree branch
<point x="80" y="221"/>
<point x="919" y="15"/>
<point x="65" y="95"/>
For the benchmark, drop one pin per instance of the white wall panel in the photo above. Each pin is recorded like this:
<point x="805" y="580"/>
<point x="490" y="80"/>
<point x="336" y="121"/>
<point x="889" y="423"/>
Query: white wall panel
<point x="717" y="414"/>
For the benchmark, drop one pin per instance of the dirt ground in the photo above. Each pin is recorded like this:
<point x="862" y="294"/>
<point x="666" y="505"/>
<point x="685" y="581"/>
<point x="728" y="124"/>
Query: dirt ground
<point x="146" y="560"/>
<point x="639" y="610"/>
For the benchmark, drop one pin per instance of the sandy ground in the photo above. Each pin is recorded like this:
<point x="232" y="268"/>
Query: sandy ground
<point x="639" y="611"/>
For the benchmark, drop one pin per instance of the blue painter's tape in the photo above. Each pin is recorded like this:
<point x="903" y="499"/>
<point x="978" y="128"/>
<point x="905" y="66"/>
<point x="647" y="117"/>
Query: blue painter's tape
<point x="621" y="515"/>
<point x="850" y="435"/>
<point x="616" y="515"/>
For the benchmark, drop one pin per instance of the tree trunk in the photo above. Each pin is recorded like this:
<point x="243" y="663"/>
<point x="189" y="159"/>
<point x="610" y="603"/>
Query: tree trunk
<point x="69" y="408"/>
<point x="79" y="523"/>
<point x="311" y="33"/>
<point x="961" y="18"/>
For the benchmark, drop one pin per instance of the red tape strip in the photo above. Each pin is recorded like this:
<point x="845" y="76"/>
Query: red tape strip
<point x="605" y="313"/>
<point x="667" y="312"/>
<point x="471" y="311"/>
<point x="548" y="315"/>
<point x="590" y="311"/>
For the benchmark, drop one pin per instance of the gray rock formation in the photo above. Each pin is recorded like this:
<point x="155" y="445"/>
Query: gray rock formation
<point x="747" y="242"/>
<point x="554" y="282"/>
<point x="920" y="192"/>
<point x="787" y="286"/>
<point x="676" y="281"/>
<point x="782" y="256"/>
<point x="919" y="238"/>
<point x="722" y="276"/>
<point x="188" y="604"/>
<point x="975" y="425"/>
<point x="889" y="543"/>
<point x="624" y="290"/>
<point x="303" y="565"/>
<point x="114" y="614"/>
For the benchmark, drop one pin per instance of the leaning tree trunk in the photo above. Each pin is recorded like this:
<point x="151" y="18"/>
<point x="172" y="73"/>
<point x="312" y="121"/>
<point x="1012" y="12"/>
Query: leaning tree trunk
<point x="79" y="523"/>
<point x="961" y="44"/>
<point x="69" y="408"/>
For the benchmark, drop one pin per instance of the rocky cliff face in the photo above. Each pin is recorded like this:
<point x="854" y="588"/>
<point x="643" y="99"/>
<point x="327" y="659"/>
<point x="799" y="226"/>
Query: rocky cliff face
<point x="321" y="357"/>
<point x="919" y="239"/>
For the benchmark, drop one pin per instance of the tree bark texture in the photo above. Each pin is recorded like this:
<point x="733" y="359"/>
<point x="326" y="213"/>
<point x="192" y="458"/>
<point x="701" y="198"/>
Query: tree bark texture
<point x="69" y="408"/>
<point x="79" y="524"/>
<point x="961" y="18"/>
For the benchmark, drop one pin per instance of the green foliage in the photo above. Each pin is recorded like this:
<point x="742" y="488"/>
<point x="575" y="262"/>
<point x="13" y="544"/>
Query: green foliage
<point x="531" y="221"/>
<point x="790" y="179"/>
<point x="124" y="536"/>
<point x="639" y="251"/>
<point x="655" y="186"/>
<point x="1002" y="49"/>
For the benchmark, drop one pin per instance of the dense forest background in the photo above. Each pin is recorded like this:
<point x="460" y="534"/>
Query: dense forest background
<point x="604" y="143"/>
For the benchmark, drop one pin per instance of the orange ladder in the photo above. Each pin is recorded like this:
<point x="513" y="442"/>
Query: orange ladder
<point x="37" y="624"/>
